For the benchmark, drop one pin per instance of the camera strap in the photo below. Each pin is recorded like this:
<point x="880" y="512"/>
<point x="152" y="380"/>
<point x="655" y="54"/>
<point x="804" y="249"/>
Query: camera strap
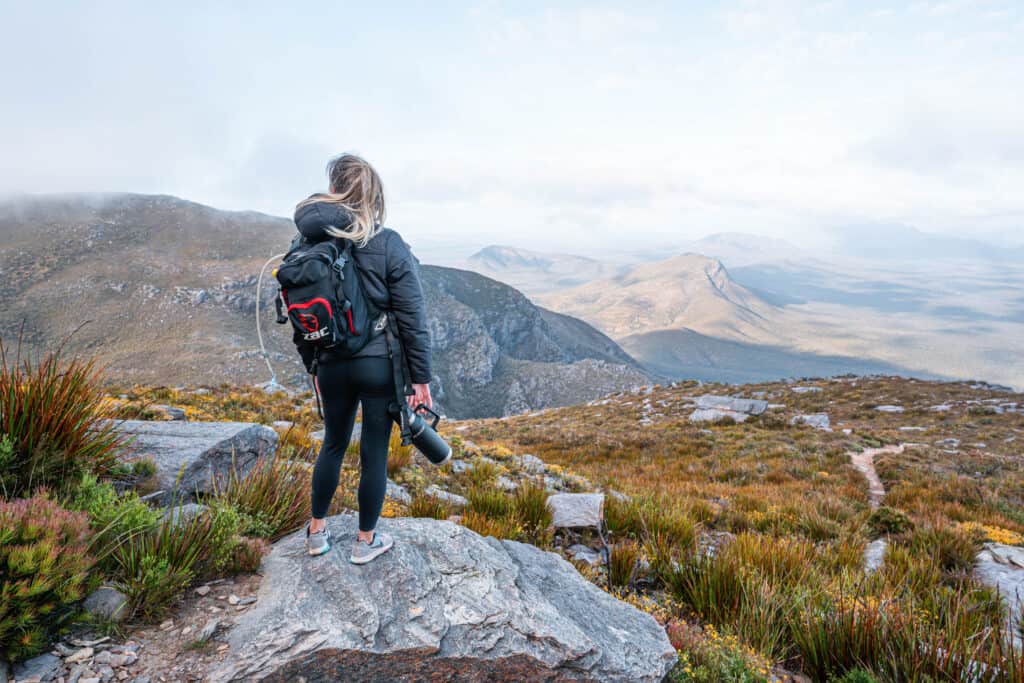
<point x="402" y="388"/>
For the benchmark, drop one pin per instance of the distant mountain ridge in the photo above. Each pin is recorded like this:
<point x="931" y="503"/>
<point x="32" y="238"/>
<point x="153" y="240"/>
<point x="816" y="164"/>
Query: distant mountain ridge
<point x="169" y="288"/>
<point x="533" y="271"/>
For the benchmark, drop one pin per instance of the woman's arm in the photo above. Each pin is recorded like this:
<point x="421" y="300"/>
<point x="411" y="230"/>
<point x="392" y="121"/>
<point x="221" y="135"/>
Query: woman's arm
<point x="407" y="305"/>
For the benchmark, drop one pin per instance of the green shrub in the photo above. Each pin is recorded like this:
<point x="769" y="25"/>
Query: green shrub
<point x="429" y="507"/>
<point x="44" y="566"/>
<point x="530" y="506"/>
<point x="622" y="563"/>
<point x="49" y="413"/>
<point x="886" y="520"/>
<point x="114" y="518"/>
<point x="490" y="502"/>
<point x="707" y="657"/>
<point x="855" y="676"/>
<point x="154" y="567"/>
<point x="273" y="498"/>
<point x="247" y="555"/>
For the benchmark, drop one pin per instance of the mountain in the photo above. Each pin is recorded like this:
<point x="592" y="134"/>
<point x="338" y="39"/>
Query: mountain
<point x="534" y="272"/>
<point x="690" y="291"/>
<point x="742" y="249"/>
<point x="162" y="290"/>
<point x="885" y="241"/>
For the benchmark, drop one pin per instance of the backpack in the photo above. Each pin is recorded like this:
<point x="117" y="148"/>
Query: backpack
<point x="322" y="295"/>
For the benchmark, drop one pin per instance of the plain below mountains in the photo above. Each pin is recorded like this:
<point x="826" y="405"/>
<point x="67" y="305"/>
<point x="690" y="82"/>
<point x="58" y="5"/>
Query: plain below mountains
<point x="690" y="317"/>
<point x="163" y="290"/>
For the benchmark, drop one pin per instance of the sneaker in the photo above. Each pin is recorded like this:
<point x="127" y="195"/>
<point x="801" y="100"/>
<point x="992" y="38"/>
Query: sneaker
<point x="363" y="552"/>
<point x="318" y="543"/>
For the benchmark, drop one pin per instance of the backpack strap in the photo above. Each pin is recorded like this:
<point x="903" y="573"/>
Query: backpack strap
<point x="402" y="388"/>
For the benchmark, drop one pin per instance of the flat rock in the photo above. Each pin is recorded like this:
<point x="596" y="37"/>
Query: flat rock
<point x="45" y="666"/>
<point x="576" y="510"/>
<point x="749" y="406"/>
<point x="889" y="409"/>
<point x="716" y="414"/>
<point x="816" y="420"/>
<point x="805" y="390"/>
<point x="445" y="604"/>
<point x="455" y="499"/>
<point x="108" y="603"/>
<point x="459" y="466"/>
<point x="874" y="555"/>
<point x="199" y="451"/>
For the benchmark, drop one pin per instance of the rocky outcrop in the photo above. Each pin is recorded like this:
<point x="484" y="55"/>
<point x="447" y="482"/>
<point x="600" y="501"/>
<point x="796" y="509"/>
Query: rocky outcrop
<point x="445" y="604"/>
<point x="197" y="451"/>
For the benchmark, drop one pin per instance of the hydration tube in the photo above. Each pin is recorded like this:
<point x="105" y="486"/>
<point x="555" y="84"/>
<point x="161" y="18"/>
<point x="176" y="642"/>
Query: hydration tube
<point x="272" y="384"/>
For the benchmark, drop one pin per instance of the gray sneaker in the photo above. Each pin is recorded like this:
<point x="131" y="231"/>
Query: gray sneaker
<point x="318" y="543"/>
<point x="364" y="552"/>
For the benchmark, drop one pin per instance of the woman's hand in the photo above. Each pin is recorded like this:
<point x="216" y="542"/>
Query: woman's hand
<point x="421" y="395"/>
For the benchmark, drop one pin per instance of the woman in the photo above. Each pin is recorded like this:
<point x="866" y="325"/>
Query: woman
<point x="354" y="209"/>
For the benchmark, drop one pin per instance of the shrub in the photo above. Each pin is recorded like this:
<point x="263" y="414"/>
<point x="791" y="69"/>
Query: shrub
<point x="247" y="555"/>
<point x="430" y="507"/>
<point x="156" y="566"/>
<point x="483" y="473"/>
<point x="622" y="563"/>
<point x="707" y="657"/>
<point x="44" y="565"/>
<point x="855" y="676"/>
<point x="273" y="498"/>
<point x="530" y="506"/>
<point x="490" y="502"/>
<point x="113" y="518"/>
<point x="504" y="527"/>
<point x="49" y="413"/>
<point x="399" y="456"/>
<point x="886" y="520"/>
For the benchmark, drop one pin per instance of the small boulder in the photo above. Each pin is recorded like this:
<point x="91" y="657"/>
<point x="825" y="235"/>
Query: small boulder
<point x="180" y="514"/>
<point x="46" y="667"/>
<point x="748" y="406"/>
<point x="397" y="492"/>
<point x="171" y="412"/>
<point x="816" y="420"/>
<point x="505" y="484"/>
<point x="715" y="414"/>
<point x="459" y="466"/>
<point x="107" y="603"/>
<point x="582" y="553"/>
<point x="455" y="499"/>
<point x="197" y="451"/>
<point x="889" y="409"/>
<point x="576" y="510"/>
<point x="531" y="463"/>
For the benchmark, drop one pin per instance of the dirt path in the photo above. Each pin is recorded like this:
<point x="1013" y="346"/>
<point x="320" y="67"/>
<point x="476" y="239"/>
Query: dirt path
<point x="865" y="462"/>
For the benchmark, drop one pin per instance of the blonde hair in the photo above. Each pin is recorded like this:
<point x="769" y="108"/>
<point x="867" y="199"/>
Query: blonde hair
<point x="354" y="186"/>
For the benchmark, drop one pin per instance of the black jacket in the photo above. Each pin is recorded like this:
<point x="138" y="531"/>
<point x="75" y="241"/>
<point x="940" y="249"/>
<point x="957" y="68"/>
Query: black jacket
<point x="391" y="280"/>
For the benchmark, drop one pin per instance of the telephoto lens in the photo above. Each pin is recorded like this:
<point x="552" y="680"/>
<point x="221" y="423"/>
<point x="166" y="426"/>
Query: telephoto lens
<point x="425" y="437"/>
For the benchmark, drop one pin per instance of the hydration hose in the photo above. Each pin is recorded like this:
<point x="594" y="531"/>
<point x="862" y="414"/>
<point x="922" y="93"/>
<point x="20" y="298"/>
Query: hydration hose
<point x="272" y="384"/>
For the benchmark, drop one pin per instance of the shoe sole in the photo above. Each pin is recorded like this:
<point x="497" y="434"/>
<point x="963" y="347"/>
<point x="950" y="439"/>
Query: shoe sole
<point x="369" y="558"/>
<point x="318" y="552"/>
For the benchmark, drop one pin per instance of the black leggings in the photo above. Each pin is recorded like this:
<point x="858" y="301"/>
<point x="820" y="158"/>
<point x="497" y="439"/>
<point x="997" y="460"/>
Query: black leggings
<point x="343" y="385"/>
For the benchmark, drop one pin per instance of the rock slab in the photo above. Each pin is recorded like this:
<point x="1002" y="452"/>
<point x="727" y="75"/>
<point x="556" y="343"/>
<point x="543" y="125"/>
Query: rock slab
<point x="200" y="451"/>
<point x="1002" y="567"/>
<point x="445" y="604"/>
<point x="749" y="406"/>
<point x="576" y="510"/>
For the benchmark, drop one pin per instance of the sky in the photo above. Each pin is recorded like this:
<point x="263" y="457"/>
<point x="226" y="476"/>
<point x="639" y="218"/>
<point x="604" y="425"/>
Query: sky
<point x="576" y="126"/>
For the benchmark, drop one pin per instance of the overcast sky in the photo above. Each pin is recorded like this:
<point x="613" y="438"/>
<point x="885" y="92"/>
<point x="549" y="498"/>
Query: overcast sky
<point x="521" y="123"/>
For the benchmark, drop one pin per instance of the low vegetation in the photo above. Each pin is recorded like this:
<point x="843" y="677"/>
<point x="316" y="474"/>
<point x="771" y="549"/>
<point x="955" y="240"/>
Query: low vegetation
<point x="747" y="540"/>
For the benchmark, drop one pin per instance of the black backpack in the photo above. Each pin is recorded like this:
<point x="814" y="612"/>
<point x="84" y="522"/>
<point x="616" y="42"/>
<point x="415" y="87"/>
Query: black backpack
<point x="322" y="295"/>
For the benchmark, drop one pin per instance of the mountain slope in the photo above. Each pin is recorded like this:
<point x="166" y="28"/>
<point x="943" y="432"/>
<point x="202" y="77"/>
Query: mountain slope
<point x="690" y="291"/>
<point x="168" y="288"/>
